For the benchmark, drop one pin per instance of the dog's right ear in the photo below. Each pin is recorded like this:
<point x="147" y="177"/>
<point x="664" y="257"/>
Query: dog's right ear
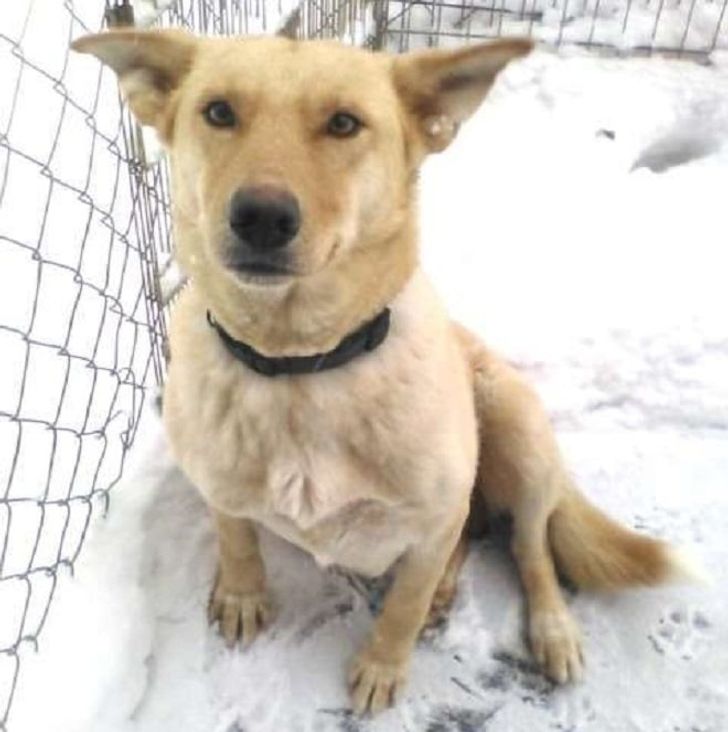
<point x="150" y="66"/>
<point x="441" y="88"/>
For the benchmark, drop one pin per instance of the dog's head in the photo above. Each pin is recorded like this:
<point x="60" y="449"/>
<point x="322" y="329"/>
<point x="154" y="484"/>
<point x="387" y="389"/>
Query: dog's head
<point x="291" y="159"/>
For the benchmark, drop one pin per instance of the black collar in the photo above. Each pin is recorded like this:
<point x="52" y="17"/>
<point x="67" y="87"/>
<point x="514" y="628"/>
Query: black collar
<point x="364" y="339"/>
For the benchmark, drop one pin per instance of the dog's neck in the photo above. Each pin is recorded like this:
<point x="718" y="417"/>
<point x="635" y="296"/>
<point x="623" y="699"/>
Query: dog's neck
<point x="314" y="313"/>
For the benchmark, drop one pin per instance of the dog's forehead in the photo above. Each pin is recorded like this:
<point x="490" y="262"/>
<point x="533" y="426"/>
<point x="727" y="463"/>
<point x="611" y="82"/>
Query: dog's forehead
<point x="283" y="66"/>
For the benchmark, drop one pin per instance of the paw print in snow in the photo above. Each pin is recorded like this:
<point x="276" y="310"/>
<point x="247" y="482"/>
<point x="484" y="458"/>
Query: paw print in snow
<point x="680" y="633"/>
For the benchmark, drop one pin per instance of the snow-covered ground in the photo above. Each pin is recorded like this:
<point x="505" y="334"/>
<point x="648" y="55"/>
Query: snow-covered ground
<point x="579" y="225"/>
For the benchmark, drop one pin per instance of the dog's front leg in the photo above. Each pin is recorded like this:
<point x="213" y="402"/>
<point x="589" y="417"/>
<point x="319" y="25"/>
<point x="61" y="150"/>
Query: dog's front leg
<point x="379" y="671"/>
<point x="239" y="599"/>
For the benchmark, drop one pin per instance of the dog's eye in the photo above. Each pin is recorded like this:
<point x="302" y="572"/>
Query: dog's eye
<point x="219" y="114"/>
<point x="343" y="124"/>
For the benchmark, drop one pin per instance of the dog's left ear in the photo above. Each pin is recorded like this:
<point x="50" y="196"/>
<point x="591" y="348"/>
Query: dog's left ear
<point x="442" y="88"/>
<point x="150" y="66"/>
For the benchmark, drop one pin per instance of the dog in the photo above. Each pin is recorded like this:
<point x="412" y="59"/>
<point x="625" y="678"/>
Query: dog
<point x="317" y="386"/>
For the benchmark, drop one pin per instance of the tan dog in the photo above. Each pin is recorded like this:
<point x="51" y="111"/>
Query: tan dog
<point x="294" y="173"/>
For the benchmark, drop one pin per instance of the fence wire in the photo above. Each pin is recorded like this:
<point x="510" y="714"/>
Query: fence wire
<point x="670" y="27"/>
<point x="78" y="330"/>
<point x="674" y="27"/>
<point x="85" y="235"/>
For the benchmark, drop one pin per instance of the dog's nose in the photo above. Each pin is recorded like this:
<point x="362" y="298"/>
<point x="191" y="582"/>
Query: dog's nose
<point x="264" y="217"/>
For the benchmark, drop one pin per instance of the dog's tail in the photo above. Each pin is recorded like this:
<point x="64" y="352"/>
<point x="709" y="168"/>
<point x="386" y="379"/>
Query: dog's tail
<point x="595" y="552"/>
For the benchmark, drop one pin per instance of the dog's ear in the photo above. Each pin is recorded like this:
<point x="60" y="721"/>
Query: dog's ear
<point x="150" y="66"/>
<point x="441" y="88"/>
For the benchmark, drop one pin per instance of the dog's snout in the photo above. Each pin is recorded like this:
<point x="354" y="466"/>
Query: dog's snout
<point x="264" y="218"/>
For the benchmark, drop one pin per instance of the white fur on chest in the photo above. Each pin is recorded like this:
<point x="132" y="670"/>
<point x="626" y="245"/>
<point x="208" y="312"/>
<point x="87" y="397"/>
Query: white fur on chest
<point x="341" y="462"/>
<point x="312" y="490"/>
<point x="308" y="489"/>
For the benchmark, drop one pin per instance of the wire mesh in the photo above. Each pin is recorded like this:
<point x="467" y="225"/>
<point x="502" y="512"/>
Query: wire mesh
<point x="79" y="332"/>
<point x="672" y="27"/>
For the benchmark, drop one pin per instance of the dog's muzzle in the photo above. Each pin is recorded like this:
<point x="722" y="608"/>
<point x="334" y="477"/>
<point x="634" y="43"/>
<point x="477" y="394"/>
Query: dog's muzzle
<point x="264" y="220"/>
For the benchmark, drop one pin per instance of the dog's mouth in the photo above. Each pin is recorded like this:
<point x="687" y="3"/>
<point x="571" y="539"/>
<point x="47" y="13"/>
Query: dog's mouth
<point x="273" y="267"/>
<point x="260" y="272"/>
<point x="263" y="268"/>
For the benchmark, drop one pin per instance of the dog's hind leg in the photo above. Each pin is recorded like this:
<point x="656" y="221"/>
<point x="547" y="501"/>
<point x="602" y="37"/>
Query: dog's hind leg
<point x="239" y="599"/>
<point x="553" y="634"/>
<point x="520" y="471"/>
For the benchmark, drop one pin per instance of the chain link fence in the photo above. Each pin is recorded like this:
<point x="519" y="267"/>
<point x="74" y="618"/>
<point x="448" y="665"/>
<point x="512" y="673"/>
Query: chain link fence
<point x="85" y="238"/>
<point x="78" y="328"/>
<point x="670" y="27"/>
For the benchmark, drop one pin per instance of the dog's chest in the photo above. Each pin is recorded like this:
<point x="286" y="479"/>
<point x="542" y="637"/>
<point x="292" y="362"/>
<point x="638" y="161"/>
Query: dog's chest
<point x="351" y="465"/>
<point x="313" y="466"/>
<point x="333" y="512"/>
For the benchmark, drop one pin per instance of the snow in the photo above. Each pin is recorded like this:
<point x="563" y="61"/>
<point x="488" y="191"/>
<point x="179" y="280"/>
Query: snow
<point x="595" y="259"/>
<point x="578" y="225"/>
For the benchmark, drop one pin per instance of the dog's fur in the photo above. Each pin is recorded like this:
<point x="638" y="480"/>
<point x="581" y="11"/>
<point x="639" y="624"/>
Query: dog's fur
<point x="371" y="465"/>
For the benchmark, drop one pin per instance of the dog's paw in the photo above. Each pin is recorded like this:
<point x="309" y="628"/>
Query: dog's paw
<point x="556" y="645"/>
<point x="375" y="685"/>
<point x="239" y="616"/>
